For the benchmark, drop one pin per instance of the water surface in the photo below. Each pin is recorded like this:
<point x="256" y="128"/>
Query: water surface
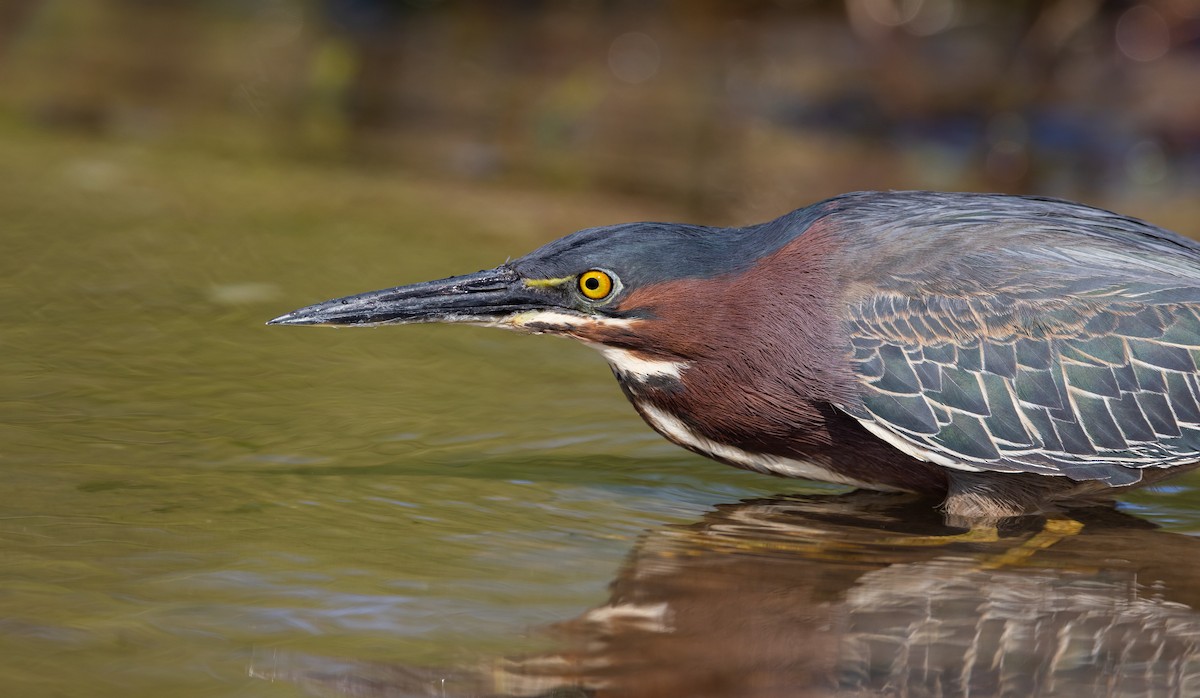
<point x="201" y="505"/>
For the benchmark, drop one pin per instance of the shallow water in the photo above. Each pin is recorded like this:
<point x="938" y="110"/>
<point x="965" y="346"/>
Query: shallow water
<point x="201" y="505"/>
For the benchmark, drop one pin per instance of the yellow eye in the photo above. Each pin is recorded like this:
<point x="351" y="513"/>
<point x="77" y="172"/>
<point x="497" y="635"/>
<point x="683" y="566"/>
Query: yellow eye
<point x="595" y="284"/>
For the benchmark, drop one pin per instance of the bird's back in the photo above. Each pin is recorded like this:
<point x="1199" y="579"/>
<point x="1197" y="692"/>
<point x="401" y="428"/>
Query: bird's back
<point x="997" y="334"/>
<point x="978" y="235"/>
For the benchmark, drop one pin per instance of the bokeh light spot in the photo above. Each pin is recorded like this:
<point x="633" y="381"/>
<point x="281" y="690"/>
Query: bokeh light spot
<point x="1143" y="34"/>
<point x="634" y="57"/>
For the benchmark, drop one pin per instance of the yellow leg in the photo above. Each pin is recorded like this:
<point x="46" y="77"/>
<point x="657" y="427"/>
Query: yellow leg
<point x="980" y="534"/>
<point x="1054" y="531"/>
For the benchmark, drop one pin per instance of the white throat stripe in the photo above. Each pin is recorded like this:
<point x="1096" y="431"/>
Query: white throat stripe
<point x="633" y="366"/>
<point x="680" y="433"/>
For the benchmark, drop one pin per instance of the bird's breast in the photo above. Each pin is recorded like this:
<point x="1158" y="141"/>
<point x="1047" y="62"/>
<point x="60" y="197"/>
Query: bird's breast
<point x="653" y="384"/>
<point x="729" y="420"/>
<point x="679" y="432"/>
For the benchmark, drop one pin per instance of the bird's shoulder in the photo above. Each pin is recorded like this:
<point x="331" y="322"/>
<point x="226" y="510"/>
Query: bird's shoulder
<point x="914" y="237"/>
<point x="1047" y="347"/>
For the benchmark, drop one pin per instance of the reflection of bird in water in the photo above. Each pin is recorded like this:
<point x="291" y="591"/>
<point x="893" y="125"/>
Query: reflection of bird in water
<point x="828" y="596"/>
<point x="1005" y="352"/>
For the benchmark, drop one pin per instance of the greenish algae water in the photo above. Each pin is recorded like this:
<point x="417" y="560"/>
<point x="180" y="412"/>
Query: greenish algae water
<point x="188" y="489"/>
<point x="191" y="494"/>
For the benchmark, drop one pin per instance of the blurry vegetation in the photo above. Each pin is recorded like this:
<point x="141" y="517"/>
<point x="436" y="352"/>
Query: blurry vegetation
<point x="727" y="109"/>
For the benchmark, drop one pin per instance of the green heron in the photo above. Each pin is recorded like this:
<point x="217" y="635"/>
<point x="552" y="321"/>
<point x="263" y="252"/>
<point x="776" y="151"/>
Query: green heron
<point x="1001" y="352"/>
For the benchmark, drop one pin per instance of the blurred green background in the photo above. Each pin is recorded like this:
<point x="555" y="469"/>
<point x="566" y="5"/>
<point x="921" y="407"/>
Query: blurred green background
<point x="733" y="110"/>
<point x="190" y="494"/>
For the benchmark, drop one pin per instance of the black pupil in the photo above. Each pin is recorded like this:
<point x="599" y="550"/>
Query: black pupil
<point x="592" y="283"/>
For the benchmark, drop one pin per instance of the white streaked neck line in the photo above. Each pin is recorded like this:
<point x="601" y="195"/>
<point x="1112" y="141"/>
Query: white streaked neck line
<point x="629" y="364"/>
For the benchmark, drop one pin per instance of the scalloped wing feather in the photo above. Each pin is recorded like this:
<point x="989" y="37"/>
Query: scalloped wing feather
<point x="1095" y="385"/>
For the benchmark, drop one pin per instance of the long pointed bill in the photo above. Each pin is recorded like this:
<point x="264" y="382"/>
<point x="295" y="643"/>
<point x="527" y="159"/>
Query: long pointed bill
<point x="485" y="297"/>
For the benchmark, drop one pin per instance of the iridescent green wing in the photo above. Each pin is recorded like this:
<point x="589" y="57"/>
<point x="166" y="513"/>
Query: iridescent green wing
<point x="1085" y="380"/>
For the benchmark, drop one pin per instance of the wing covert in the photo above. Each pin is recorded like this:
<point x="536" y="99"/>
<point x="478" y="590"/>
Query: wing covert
<point x="1096" y="388"/>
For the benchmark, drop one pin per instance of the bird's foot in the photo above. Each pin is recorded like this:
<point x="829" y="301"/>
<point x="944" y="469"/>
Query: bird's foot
<point x="1053" y="531"/>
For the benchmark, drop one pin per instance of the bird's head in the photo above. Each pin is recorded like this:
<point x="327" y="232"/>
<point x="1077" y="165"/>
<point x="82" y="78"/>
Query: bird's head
<point x="616" y="287"/>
